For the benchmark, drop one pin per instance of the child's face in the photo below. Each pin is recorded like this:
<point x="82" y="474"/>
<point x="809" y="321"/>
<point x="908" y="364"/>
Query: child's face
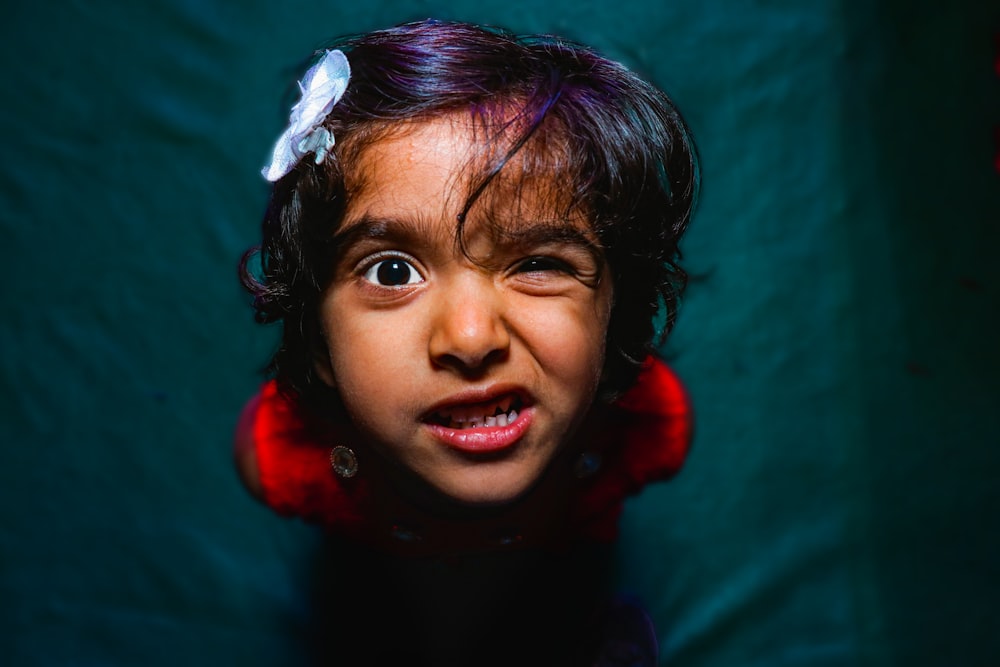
<point x="471" y="374"/>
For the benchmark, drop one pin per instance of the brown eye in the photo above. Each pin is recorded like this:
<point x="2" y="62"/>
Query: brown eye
<point x="541" y="264"/>
<point x="393" y="272"/>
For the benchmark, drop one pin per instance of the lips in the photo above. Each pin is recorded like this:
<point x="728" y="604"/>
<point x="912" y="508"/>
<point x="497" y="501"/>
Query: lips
<point x="479" y="423"/>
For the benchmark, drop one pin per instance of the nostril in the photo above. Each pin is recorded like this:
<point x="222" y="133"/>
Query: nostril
<point x="470" y="364"/>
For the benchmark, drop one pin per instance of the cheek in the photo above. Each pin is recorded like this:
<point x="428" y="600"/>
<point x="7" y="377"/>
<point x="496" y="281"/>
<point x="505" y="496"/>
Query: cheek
<point x="355" y="360"/>
<point x="570" y="340"/>
<point x="372" y="358"/>
<point x="350" y="347"/>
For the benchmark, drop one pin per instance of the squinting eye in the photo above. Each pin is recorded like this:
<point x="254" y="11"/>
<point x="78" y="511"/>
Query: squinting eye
<point x="393" y="272"/>
<point x="539" y="264"/>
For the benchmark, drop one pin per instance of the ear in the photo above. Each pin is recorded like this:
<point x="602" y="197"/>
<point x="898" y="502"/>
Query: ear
<point x="319" y="354"/>
<point x="321" y="364"/>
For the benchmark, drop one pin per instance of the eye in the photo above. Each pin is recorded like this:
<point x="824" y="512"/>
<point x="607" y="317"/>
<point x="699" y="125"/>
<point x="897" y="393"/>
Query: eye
<point x="542" y="264"/>
<point x="393" y="272"/>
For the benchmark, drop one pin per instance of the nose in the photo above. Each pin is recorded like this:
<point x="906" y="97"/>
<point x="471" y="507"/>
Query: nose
<point x="469" y="330"/>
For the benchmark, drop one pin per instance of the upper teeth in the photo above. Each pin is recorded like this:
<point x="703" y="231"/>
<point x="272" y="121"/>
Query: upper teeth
<point x="502" y="414"/>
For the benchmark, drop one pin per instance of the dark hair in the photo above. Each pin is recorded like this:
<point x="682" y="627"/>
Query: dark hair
<point x="619" y="144"/>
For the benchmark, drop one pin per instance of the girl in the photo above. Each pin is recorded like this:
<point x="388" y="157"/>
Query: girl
<point x="469" y="242"/>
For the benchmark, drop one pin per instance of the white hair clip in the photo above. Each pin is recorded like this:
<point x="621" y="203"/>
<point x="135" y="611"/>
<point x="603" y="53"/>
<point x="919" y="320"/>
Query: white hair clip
<point x="322" y="87"/>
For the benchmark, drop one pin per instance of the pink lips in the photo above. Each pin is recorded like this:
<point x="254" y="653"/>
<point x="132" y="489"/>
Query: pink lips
<point x="482" y="438"/>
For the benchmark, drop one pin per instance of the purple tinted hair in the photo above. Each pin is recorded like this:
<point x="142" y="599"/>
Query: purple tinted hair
<point x="620" y="146"/>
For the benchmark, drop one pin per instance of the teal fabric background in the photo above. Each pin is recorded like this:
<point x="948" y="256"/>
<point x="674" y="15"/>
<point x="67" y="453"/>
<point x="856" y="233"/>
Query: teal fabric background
<point x="839" y="339"/>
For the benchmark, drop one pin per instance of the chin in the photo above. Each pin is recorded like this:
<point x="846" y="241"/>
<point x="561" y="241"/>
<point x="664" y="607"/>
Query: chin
<point x="486" y="489"/>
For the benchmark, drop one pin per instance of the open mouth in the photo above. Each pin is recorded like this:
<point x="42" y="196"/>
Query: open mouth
<point x="500" y="412"/>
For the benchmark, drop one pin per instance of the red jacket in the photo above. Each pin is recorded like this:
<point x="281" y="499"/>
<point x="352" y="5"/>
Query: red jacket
<point x="642" y="437"/>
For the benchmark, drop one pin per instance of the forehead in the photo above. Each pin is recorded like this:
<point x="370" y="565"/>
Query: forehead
<point x="435" y="167"/>
<point x="416" y="165"/>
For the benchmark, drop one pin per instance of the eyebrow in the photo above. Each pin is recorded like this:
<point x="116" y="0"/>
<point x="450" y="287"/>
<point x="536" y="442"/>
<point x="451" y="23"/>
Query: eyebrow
<point x="369" y="227"/>
<point x="551" y="233"/>
<point x="540" y="233"/>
